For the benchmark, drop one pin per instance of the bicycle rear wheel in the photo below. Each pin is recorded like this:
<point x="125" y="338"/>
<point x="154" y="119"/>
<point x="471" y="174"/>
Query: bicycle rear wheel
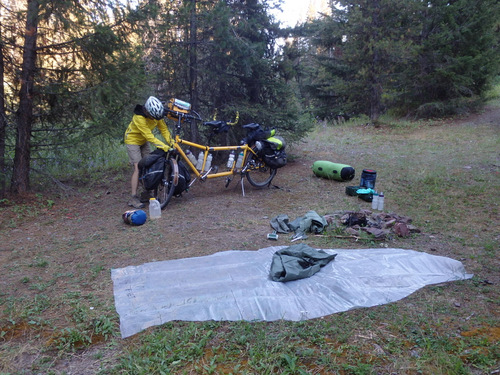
<point x="258" y="173"/>
<point x="165" y="189"/>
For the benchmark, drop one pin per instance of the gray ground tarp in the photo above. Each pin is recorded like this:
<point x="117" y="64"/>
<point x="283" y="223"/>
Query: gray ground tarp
<point x="235" y="285"/>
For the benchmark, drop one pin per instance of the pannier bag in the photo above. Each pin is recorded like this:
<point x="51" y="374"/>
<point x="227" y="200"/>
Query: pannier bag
<point x="184" y="179"/>
<point x="151" y="169"/>
<point x="271" y="148"/>
<point x="276" y="160"/>
<point x="277" y="143"/>
<point x="273" y="152"/>
<point x="258" y="134"/>
<point x="177" y="106"/>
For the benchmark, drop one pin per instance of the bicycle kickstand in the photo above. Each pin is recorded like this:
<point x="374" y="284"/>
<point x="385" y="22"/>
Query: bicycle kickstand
<point x="242" y="187"/>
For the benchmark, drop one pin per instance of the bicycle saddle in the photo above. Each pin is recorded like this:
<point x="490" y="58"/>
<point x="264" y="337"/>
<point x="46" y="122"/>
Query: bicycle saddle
<point x="213" y="123"/>
<point x="218" y="126"/>
<point x="252" y="126"/>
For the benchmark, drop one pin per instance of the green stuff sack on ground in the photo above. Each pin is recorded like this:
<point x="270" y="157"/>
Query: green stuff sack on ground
<point x="333" y="171"/>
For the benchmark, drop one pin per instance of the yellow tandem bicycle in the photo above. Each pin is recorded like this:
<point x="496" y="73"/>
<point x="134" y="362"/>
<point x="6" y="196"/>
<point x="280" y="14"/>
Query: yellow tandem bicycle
<point x="250" y="161"/>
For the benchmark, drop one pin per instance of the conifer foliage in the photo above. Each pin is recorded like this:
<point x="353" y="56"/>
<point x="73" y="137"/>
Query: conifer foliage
<point x="220" y="57"/>
<point x="411" y="57"/>
<point x="64" y="83"/>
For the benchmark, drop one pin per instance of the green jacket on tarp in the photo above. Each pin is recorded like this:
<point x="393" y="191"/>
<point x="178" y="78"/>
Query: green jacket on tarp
<point x="298" y="262"/>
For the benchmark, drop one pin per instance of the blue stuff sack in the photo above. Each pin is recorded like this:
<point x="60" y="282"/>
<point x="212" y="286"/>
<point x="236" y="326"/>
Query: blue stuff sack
<point x="134" y="217"/>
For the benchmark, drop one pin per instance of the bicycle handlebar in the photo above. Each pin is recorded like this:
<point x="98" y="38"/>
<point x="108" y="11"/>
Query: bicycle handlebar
<point x="184" y="115"/>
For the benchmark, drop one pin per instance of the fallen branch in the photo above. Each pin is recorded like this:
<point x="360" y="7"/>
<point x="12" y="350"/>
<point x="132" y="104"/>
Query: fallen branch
<point x="65" y="188"/>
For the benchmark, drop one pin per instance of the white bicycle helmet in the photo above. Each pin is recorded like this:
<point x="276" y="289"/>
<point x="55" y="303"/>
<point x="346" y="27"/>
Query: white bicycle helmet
<point x="154" y="107"/>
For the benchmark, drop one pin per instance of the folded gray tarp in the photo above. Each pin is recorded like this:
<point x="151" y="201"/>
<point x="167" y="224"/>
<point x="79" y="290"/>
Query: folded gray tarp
<point x="235" y="285"/>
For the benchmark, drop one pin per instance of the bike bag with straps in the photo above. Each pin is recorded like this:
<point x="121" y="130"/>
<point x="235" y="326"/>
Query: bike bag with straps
<point x="273" y="152"/>
<point x="178" y="106"/>
<point x="256" y="133"/>
<point x="271" y="148"/>
<point x="151" y="169"/>
<point x="183" y="180"/>
<point x="275" y="159"/>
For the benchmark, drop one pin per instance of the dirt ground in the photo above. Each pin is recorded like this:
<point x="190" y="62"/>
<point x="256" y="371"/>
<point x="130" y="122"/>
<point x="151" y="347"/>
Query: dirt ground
<point x="71" y="246"/>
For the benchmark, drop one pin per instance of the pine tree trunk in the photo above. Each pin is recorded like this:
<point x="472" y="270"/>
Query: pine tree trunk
<point x="374" y="80"/>
<point x="3" y="120"/>
<point x="193" y="68"/>
<point x="20" y="177"/>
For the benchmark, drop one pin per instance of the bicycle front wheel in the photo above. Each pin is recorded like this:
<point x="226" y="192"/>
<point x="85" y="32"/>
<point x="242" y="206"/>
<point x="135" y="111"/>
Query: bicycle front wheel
<point x="258" y="173"/>
<point x="165" y="189"/>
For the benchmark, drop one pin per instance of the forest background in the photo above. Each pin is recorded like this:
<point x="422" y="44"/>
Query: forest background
<point x="72" y="71"/>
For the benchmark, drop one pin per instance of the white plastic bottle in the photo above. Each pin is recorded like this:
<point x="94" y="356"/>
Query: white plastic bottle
<point x="230" y="161"/>
<point x="380" y="204"/>
<point x="239" y="162"/>
<point x="182" y="104"/>
<point x="191" y="157"/>
<point x="208" y="164"/>
<point x="199" y="164"/>
<point x="375" y="201"/>
<point x="154" y="209"/>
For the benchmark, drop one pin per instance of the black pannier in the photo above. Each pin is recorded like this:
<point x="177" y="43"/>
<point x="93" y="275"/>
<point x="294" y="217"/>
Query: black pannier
<point x="151" y="169"/>
<point x="184" y="179"/>
<point x="271" y="148"/>
<point x="276" y="160"/>
<point x="258" y="134"/>
<point x="273" y="152"/>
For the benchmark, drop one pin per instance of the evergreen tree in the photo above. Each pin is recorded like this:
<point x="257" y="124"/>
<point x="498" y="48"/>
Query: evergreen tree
<point x="71" y="84"/>
<point x="3" y="118"/>
<point x="404" y="56"/>
<point x="362" y="43"/>
<point x="235" y="62"/>
<point x="456" y="57"/>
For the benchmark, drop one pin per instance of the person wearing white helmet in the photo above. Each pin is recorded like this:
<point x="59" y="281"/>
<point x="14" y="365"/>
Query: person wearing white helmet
<point x="139" y="135"/>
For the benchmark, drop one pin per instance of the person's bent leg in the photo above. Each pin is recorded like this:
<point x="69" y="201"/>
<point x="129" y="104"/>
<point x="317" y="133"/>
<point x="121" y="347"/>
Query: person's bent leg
<point x="134" y="153"/>
<point x="134" y="181"/>
<point x="147" y="194"/>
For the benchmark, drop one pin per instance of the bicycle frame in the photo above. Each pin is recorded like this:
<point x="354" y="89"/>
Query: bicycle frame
<point x="207" y="149"/>
<point x="252" y="166"/>
<point x="202" y="174"/>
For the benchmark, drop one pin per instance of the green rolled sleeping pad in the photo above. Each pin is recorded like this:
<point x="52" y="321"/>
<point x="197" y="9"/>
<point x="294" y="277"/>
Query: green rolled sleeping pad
<point x="333" y="171"/>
